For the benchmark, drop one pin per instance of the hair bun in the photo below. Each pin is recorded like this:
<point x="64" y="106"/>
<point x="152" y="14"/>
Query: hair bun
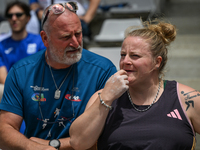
<point x="165" y="30"/>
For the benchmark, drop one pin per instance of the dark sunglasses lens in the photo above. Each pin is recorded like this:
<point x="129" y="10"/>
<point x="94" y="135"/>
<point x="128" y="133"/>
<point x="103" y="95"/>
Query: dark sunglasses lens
<point x="72" y="6"/>
<point x="17" y="15"/>
<point x="45" y="18"/>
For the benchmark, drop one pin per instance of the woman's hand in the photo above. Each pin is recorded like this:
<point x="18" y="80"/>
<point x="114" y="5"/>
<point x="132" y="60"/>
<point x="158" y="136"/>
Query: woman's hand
<point x="116" y="85"/>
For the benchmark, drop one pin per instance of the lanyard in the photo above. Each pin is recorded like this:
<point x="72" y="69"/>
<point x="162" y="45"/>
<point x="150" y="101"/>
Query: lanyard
<point x="39" y="102"/>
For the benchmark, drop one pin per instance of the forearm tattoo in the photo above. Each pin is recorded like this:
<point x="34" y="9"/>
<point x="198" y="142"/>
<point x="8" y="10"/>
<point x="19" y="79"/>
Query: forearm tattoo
<point x="189" y="98"/>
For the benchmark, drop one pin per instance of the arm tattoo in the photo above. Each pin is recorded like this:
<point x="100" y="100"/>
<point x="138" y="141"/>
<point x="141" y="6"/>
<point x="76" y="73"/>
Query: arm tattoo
<point x="188" y="98"/>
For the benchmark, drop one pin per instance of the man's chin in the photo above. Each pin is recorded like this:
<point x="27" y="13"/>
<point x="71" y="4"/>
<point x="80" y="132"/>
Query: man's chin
<point x="73" y="60"/>
<point x="72" y="57"/>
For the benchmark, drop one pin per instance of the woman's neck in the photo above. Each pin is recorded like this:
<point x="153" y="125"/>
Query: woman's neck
<point x="145" y="93"/>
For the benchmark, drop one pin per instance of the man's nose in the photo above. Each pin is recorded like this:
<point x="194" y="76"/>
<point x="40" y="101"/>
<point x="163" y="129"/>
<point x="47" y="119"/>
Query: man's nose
<point x="74" y="42"/>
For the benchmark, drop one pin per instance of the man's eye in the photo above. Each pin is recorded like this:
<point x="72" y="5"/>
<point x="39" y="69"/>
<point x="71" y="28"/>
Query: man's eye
<point x="78" y="34"/>
<point x="66" y="37"/>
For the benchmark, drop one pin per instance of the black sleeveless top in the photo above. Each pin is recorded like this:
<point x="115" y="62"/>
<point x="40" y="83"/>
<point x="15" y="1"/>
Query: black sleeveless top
<point x="163" y="127"/>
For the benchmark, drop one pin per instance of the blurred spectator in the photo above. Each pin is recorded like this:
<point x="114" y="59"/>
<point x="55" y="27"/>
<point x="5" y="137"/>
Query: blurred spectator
<point x="1" y="18"/>
<point x="86" y="11"/>
<point x="20" y="44"/>
<point x="33" y="26"/>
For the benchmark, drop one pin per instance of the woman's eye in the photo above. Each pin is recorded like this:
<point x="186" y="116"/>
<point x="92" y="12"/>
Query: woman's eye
<point x="135" y="56"/>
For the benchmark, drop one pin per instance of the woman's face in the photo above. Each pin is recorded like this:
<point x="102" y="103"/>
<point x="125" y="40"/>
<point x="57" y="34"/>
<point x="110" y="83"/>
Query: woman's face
<point x="136" y="59"/>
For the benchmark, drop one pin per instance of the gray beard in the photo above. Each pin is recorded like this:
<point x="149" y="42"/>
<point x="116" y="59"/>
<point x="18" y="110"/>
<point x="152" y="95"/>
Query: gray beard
<point x="66" y="58"/>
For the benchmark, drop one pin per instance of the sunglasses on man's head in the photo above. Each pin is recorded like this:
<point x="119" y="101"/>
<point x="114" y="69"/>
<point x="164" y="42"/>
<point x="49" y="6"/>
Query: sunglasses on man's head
<point x="18" y="15"/>
<point x="60" y="8"/>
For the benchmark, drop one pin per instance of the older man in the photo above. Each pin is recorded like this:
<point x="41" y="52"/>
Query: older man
<point x="50" y="89"/>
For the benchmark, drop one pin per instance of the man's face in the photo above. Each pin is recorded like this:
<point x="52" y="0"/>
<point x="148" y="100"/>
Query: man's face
<point x="17" y="21"/>
<point x="70" y="55"/>
<point x="65" y="39"/>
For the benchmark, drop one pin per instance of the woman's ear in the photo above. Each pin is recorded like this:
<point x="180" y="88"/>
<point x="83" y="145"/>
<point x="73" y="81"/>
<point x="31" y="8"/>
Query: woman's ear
<point x="44" y="38"/>
<point x="158" y="61"/>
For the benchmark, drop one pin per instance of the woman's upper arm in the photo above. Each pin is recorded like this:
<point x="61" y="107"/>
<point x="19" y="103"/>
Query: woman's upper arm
<point x="191" y="104"/>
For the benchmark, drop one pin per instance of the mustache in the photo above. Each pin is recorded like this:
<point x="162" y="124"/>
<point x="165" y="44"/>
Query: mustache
<point x="73" y="48"/>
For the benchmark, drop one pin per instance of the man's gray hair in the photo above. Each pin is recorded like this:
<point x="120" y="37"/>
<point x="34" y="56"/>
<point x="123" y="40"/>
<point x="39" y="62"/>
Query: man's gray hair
<point x="42" y="20"/>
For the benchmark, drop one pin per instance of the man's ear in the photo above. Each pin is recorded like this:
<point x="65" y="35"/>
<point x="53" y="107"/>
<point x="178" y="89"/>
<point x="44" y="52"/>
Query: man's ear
<point x="28" y="19"/>
<point x="44" y="38"/>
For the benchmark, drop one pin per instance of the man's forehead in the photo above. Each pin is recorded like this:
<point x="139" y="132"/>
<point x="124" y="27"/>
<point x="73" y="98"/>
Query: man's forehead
<point x="65" y="17"/>
<point x="67" y="33"/>
<point x="16" y="8"/>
